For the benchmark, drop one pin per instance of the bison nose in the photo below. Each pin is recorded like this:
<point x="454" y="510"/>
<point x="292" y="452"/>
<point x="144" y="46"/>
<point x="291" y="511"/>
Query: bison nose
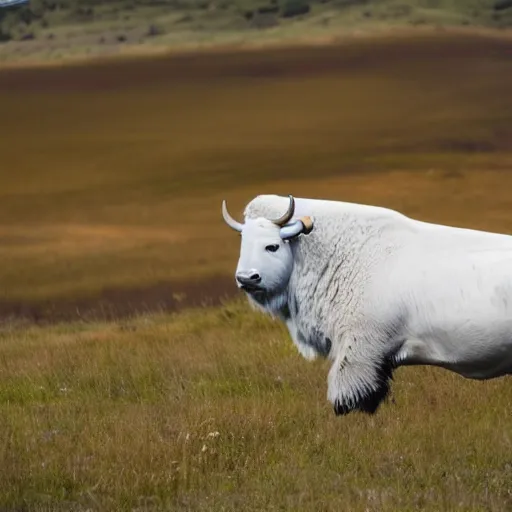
<point x="248" y="279"/>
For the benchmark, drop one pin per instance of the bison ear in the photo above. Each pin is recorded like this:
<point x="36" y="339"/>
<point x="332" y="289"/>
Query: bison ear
<point x="304" y="225"/>
<point x="307" y="222"/>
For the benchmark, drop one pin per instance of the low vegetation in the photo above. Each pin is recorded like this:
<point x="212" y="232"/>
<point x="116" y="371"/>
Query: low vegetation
<point x="215" y="410"/>
<point x="53" y="29"/>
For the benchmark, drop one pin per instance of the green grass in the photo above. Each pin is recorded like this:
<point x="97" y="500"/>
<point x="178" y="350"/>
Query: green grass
<point x="215" y="410"/>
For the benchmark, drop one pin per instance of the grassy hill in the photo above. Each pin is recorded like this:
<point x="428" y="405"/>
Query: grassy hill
<point x="63" y="27"/>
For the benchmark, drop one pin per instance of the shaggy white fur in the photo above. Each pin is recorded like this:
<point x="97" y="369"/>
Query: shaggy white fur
<point x="372" y="289"/>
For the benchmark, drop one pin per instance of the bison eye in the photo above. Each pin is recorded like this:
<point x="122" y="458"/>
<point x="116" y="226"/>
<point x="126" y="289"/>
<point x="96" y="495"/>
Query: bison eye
<point x="272" y="248"/>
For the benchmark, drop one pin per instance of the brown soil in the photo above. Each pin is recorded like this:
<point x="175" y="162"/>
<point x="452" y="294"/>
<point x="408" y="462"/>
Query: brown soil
<point x="292" y="62"/>
<point x="412" y="61"/>
<point x="118" y="303"/>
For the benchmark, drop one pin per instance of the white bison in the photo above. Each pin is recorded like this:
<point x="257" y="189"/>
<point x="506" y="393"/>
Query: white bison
<point x="372" y="290"/>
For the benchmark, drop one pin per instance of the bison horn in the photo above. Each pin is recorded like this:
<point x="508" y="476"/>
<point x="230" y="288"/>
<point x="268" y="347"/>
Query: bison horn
<point x="281" y="221"/>
<point x="232" y="223"/>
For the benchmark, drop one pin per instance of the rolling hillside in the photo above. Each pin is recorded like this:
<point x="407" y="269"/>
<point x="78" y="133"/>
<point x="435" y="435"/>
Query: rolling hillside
<point x="58" y="28"/>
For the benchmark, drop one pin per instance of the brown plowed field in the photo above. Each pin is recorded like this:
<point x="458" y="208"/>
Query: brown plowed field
<point x="118" y="303"/>
<point x="112" y="173"/>
<point x="416" y="54"/>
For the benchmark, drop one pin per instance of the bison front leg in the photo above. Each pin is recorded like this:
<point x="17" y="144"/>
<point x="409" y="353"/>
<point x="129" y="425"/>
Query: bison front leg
<point x="359" y="380"/>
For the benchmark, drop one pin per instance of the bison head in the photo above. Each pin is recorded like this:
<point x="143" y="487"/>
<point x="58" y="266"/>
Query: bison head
<point x="266" y="255"/>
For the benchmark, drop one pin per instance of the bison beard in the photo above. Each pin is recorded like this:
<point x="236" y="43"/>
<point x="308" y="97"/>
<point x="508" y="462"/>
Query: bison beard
<point x="372" y="401"/>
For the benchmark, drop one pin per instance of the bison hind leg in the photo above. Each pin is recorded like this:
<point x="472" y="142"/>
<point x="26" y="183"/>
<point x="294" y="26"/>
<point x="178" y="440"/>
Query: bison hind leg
<point x="371" y="402"/>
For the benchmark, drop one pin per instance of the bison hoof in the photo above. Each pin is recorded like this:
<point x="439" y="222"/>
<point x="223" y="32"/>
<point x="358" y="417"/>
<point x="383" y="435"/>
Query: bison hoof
<point x="369" y="406"/>
<point x="341" y="409"/>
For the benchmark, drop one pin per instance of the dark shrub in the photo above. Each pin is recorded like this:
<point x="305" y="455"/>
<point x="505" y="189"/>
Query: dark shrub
<point x="500" y="5"/>
<point x="291" y="8"/>
<point x="154" y="30"/>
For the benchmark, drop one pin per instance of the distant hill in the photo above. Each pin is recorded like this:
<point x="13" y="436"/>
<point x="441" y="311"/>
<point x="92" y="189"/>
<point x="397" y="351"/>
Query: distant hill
<point x="62" y="24"/>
